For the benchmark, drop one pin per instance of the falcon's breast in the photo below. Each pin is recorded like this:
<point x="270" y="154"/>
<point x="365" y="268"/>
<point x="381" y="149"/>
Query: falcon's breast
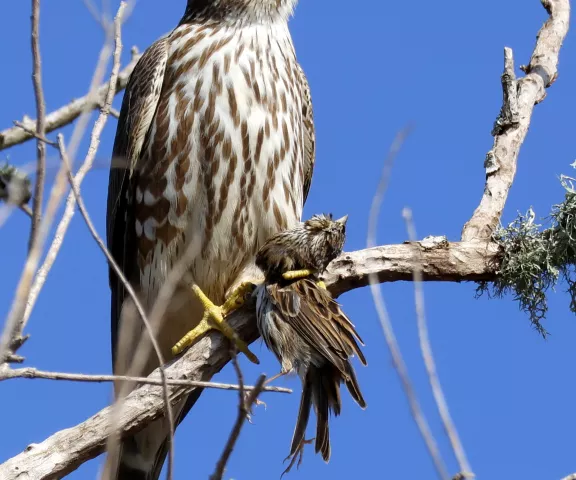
<point x="223" y="164"/>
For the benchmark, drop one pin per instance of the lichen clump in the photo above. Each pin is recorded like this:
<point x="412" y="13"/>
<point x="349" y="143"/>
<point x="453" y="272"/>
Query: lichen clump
<point x="535" y="258"/>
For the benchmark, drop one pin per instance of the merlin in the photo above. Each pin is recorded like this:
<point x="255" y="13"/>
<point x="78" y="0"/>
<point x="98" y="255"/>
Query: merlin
<point x="302" y="324"/>
<point x="214" y="149"/>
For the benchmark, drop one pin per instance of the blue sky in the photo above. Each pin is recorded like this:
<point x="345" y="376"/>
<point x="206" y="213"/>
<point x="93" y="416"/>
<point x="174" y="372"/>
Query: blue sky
<point x="373" y="66"/>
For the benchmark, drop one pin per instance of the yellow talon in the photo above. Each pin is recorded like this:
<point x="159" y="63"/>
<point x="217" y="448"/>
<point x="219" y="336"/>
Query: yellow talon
<point x="213" y="318"/>
<point x="321" y="284"/>
<point x="236" y="299"/>
<point x="297" y="274"/>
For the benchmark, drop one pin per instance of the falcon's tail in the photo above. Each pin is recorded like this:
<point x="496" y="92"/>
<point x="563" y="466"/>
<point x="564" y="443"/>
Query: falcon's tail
<point x="134" y="464"/>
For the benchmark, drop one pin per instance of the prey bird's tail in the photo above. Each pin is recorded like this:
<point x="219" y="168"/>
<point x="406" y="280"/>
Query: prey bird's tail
<point x="321" y="387"/>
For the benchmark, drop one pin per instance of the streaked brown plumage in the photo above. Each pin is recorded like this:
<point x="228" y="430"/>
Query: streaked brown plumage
<point x="217" y="135"/>
<point x="304" y="327"/>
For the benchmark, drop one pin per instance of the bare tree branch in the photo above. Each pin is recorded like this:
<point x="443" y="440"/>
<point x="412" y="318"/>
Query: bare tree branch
<point x="68" y="449"/>
<point x="70" y="112"/>
<point x="441" y="261"/>
<point x="40" y="126"/>
<point x="511" y="130"/>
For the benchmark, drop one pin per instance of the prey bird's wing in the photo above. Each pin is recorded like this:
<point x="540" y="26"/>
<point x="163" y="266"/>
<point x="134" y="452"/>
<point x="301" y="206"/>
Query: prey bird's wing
<point x="309" y="133"/>
<point x="138" y="109"/>
<point x="318" y="320"/>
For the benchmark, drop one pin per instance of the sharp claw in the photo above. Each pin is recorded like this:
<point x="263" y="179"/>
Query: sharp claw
<point x="253" y="358"/>
<point x="257" y="402"/>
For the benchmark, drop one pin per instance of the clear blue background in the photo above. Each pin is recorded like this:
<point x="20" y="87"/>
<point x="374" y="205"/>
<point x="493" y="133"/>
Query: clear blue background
<point x="373" y="66"/>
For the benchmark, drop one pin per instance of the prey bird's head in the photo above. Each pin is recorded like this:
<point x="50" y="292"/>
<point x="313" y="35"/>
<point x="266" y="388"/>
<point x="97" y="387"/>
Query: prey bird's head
<point x="261" y="11"/>
<point x="326" y="236"/>
<point x="311" y="245"/>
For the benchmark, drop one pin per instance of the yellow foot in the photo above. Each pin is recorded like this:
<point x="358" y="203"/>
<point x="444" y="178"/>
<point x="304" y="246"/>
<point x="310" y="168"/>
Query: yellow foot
<point x="214" y="319"/>
<point x="237" y="298"/>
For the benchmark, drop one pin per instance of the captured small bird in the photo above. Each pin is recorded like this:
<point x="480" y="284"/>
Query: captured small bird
<point x="302" y="324"/>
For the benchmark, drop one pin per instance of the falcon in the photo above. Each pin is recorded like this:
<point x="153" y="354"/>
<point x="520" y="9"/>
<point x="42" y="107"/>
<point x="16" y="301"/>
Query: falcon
<point x="213" y="155"/>
<point x="304" y="327"/>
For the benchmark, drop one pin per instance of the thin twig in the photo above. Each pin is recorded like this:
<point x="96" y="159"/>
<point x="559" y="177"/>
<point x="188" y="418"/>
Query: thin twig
<point x="81" y="207"/>
<point x="71" y="111"/>
<point x="94" y="143"/>
<point x="426" y="348"/>
<point x="244" y="406"/>
<point x="40" y="126"/>
<point x="27" y="292"/>
<point x="35" y="134"/>
<point x="26" y="209"/>
<point x="12" y="337"/>
<point x="33" y="373"/>
<point x="389" y="335"/>
<point x="101" y="18"/>
<point x="95" y="93"/>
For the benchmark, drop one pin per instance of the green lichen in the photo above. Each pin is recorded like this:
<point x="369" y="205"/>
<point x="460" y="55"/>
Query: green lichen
<point x="535" y="259"/>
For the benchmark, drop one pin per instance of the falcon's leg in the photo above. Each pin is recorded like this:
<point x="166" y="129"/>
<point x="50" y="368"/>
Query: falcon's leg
<point x="299" y="274"/>
<point x="213" y="318"/>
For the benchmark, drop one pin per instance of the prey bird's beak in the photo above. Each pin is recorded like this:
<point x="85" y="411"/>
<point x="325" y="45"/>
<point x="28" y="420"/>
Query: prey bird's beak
<point x="342" y="220"/>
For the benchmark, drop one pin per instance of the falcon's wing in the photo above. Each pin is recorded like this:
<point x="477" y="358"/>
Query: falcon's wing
<point x="319" y="321"/>
<point x="138" y="109"/>
<point x="309" y="133"/>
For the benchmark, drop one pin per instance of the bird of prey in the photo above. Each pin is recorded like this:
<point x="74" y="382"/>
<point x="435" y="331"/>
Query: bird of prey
<point x="216" y="141"/>
<point x="303" y="325"/>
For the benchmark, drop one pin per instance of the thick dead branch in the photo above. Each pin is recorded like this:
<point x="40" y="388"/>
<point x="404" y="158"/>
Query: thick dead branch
<point x="67" y="113"/>
<point x="513" y="122"/>
<point x="441" y="261"/>
<point x="66" y="450"/>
